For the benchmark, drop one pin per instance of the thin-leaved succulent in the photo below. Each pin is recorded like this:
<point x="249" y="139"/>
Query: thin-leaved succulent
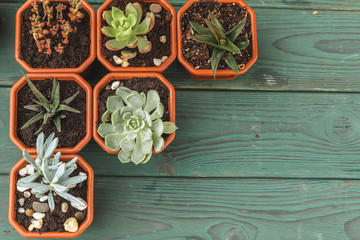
<point x="133" y="124"/>
<point x="49" y="109"/>
<point x="54" y="174"/>
<point x="225" y="43"/>
<point x="126" y="28"/>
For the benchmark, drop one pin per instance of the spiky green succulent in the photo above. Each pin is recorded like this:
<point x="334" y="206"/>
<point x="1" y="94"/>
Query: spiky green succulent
<point x="48" y="108"/>
<point x="225" y="43"/>
<point x="55" y="175"/>
<point x="126" y="28"/>
<point x="133" y="124"/>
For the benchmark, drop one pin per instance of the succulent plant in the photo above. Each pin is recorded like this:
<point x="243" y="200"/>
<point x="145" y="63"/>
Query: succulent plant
<point x="54" y="174"/>
<point x="126" y="28"/>
<point x="224" y="43"/>
<point x="133" y="124"/>
<point x="49" y="108"/>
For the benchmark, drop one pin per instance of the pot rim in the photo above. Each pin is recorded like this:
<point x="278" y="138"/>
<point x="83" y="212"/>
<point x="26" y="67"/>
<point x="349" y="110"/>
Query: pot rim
<point x="173" y="44"/>
<point x="78" y="69"/>
<point x="126" y="76"/>
<point x="90" y="201"/>
<point x="61" y="77"/>
<point x="220" y="72"/>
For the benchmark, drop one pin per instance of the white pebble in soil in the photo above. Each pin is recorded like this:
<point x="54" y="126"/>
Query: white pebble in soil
<point x="27" y="194"/>
<point x="38" y="215"/>
<point x="37" y="223"/>
<point x="64" y="207"/>
<point x="21" y="210"/>
<point x="163" y="59"/>
<point x="23" y="172"/>
<point x="21" y="201"/>
<point x="115" y="85"/>
<point x="163" y="39"/>
<point x="43" y="199"/>
<point x="82" y="173"/>
<point x="157" y="62"/>
<point x="78" y="207"/>
<point x="71" y="225"/>
<point x="30" y="169"/>
<point x="155" y="8"/>
<point x="117" y="59"/>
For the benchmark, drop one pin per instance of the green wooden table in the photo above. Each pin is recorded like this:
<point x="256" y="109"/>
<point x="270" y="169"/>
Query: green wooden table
<point x="273" y="155"/>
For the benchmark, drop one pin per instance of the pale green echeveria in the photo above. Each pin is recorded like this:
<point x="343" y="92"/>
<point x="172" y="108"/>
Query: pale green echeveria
<point x="126" y="28"/>
<point x="55" y="175"/>
<point x="133" y="124"/>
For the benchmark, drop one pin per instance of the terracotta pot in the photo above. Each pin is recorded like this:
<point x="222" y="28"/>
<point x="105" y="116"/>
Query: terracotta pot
<point x="79" y="69"/>
<point x="221" y="74"/>
<point x="163" y="66"/>
<point x="90" y="200"/>
<point x="61" y="77"/>
<point x="123" y="76"/>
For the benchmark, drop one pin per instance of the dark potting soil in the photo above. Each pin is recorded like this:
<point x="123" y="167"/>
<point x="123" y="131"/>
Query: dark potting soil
<point x="139" y="85"/>
<point x="229" y="15"/>
<point x="53" y="221"/>
<point x="158" y="49"/>
<point x="75" y="53"/>
<point x="73" y="126"/>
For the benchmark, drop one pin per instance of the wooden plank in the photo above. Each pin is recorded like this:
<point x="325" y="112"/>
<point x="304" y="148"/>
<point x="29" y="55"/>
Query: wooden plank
<point x="347" y="5"/>
<point x="298" y="51"/>
<point x="163" y="208"/>
<point x="241" y="134"/>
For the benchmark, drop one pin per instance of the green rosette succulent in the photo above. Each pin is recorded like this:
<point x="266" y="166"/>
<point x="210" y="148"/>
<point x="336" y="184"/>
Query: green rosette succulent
<point x="133" y="125"/>
<point x="126" y="28"/>
<point x="225" y="43"/>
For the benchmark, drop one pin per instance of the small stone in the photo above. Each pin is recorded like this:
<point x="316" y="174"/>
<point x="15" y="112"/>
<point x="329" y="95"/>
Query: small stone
<point x="21" y="201"/>
<point x="27" y="194"/>
<point x="79" y="207"/>
<point x="157" y="62"/>
<point x="168" y="17"/>
<point x="71" y="225"/>
<point x="155" y="8"/>
<point x="30" y="169"/>
<point x="31" y="227"/>
<point x="75" y="165"/>
<point x="82" y="173"/>
<point x="117" y="59"/>
<point x="40" y="207"/>
<point x="80" y="216"/>
<point x="37" y="223"/>
<point x="43" y="199"/>
<point x="21" y="189"/>
<point x="157" y="16"/>
<point x="115" y="85"/>
<point x="21" y="210"/>
<point x="38" y="215"/>
<point x="64" y="207"/>
<point x="108" y="87"/>
<point x="23" y="171"/>
<point x="163" y="59"/>
<point x="29" y="212"/>
<point x="125" y="64"/>
<point x="73" y="185"/>
<point x="163" y="39"/>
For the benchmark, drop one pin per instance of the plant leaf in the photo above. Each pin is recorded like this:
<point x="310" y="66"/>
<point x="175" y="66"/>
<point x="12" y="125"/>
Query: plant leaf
<point x="63" y="107"/>
<point x="60" y="188"/>
<point x="152" y="100"/>
<point x="229" y="46"/>
<point x="71" y="198"/>
<point x="200" y="29"/>
<point x="142" y="42"/>
<point x="36" y="108"/>
<point x="114" y="45"/>
<point x="215" y="59"/>
<point x="216" y="22"/>
<point x="105" y="129"/>
<point x="158" y="142"/>
<point x="106" y="117"/>
<point x="53" y="91"/>
<point x="116" y="13"/>
<point x="138" y="12"/>
<point x="57" y="122"/>
<point x="40" y="189"/>
<point x="113" y="103"/>
<point x="51" y="201"/>
<point x="112" y="141"/>
<point x="51" y="148"/>
<point x="235" y="31"/>
<point x="207" y="39"/>
<point x="218" y="33"/>
<point x="124" y="157"/>
<point x="40" y="145"/>
<point x="68" y="100"/>
<point x="158" y="113"/>
<point x="29" y="184"/>
<point x="59" y="172"/>
<point x="34" y="119"/>
<point x="36" y="92"/>
<point x="30" y="178"/>
<point x="107" y="16"/>
<point x="169" y="127"/>
<point x="242" y="45"/>
<point x="158" y="127"/>
<point x="230" y="61"/>
<point x="110" y="31"/>
<point x="73" y="180"/>
<point x="29" y="159"/>
<point x="71" y="162"/>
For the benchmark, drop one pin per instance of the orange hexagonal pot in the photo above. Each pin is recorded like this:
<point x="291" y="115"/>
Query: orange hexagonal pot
<point x="90" y="201"/>
<point x="166" y="5"/>
<point x="84" y="66"/>
<point x="126" y="76"/>
<point x="61" y="77"/>
<point x="221" y="74"/>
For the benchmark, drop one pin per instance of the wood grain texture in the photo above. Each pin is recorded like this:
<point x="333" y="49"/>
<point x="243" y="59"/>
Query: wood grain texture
<point x="201" y="209"/>
<point x="298" y="51"/>
<point x="242" y="134"/>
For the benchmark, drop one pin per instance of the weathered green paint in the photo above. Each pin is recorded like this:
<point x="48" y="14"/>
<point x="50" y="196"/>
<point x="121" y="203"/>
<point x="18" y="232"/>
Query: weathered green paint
<point x="233" y="147"/>
<point x="188" y="208"/>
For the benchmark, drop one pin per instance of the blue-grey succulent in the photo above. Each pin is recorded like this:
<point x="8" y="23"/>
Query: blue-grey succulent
<point x="54" y="174"/>
<point x="133" y="125"/>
